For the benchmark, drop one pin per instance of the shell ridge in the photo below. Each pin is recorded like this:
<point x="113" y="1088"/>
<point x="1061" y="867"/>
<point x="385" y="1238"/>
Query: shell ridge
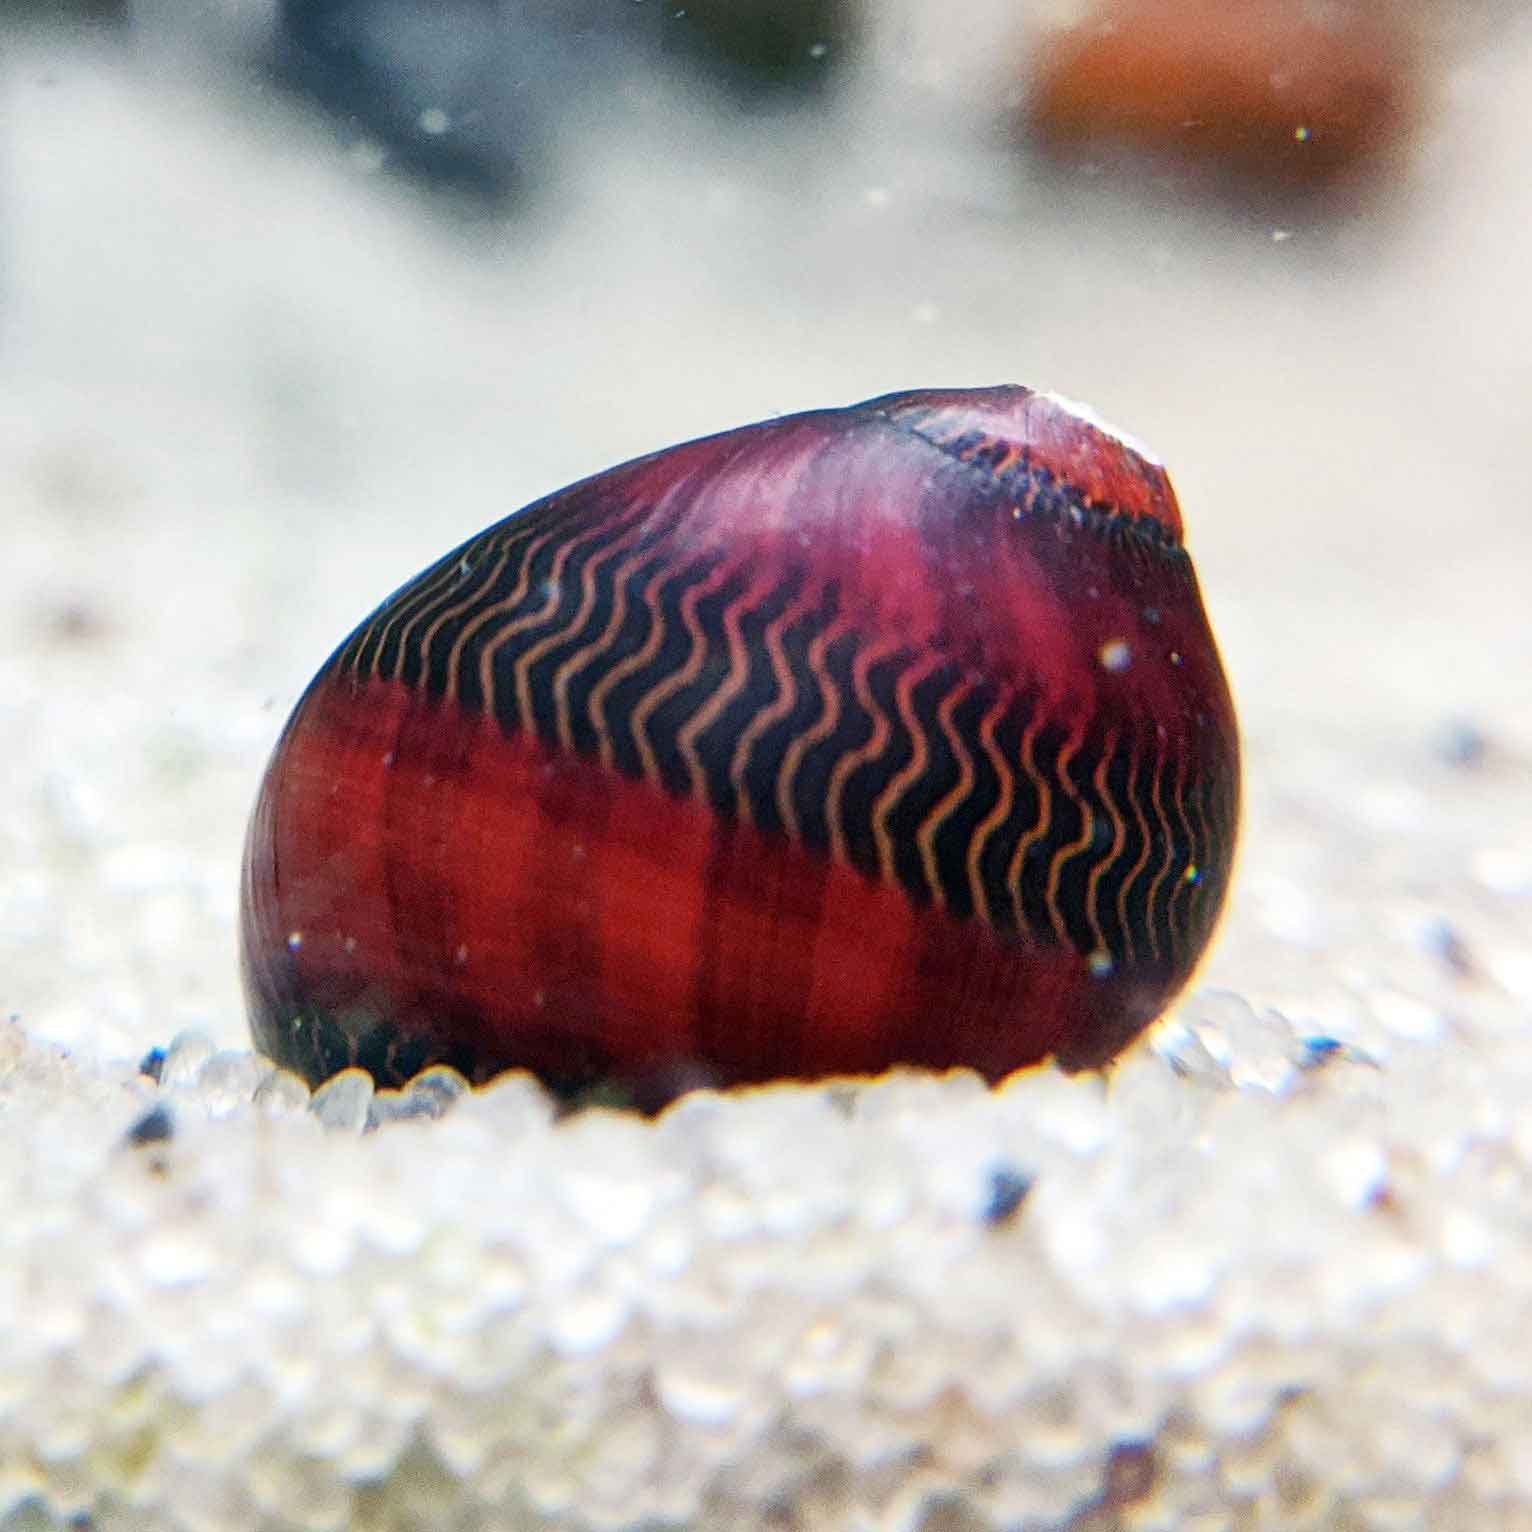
<point x="658" y="719"/>
<point x="1181" y="857"/>
<point x="756" y="759"/>
<point x="516" y="550"/>
<point x="941" y="838"/>
<point x="397" y="613"/>
<point x="1156" y="927"/>
<point x="586" y="679"/>
<point x="1069" y="913"/>
<point x="634" y="681"/>
<point x="1132" y="910"/>
<point x="1033" y="912"/>
<point x="985" y="847"/>
<point x="438" y="667"/>
<point x="845" y="725"/>
<point x="860" y="775"/>
<point x="551" y="662"/>
<point x="911" y="797"/>
<point x="471" y="660"/>
<point x="714" y="734"/>
<point x="524" y="642"/>
<point x="1194" y="879"/>
<point x="1111" y="941"/>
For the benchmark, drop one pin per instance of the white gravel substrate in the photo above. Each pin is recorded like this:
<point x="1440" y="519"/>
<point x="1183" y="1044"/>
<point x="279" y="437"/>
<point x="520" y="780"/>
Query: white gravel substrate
<point x="1275" y="1272"/>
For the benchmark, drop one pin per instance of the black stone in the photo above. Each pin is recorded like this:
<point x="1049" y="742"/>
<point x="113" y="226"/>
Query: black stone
<point x="1008" y="1189"/>
<point x="156" y="1126"/>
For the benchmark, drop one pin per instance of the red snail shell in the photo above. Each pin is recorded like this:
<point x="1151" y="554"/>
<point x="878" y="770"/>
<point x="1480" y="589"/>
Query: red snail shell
<point x="888" y="734"/>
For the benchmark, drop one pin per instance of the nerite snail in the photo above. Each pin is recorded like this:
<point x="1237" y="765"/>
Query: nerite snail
<point x="888" y="734"/>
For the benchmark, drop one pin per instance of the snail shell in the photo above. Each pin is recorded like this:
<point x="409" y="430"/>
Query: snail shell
<point x="887" y="734"/>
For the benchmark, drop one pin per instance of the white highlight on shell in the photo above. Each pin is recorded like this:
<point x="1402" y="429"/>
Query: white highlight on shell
<point x="1091" y="418"/>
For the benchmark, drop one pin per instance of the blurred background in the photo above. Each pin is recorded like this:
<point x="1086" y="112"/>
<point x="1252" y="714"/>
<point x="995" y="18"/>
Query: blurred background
<point x="295" y="294"/>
